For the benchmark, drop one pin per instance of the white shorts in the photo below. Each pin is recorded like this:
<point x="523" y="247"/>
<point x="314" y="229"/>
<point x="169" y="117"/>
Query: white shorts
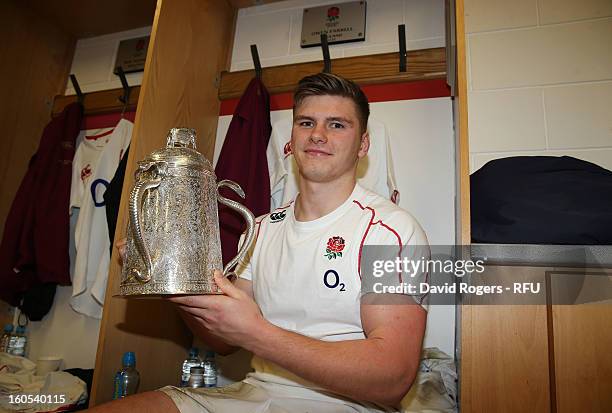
<point x="256" y="394"/>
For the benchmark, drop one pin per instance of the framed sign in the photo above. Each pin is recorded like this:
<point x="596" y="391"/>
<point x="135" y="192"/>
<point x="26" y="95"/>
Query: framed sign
<point x="132" y="54"/>
<point x="343" y="23"/>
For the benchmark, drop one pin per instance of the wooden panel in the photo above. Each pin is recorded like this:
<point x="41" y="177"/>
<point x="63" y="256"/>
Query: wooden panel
<point x="104" y="101"/>
<point x="95" y="18"/>
<point x="6" y="314"/>
<point x="582" y="340"/>
<point x="187" y="51"/>
<point x="36" y="57"/>
<point x="504" y="352"/>
<point x="381" y="68"/>
<point x="464" y="236"/>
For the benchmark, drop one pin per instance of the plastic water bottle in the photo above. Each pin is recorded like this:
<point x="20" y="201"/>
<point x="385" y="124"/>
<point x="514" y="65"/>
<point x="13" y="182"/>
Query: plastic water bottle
<point x="6" y="337"/>
<point x="18" y="342"/>
<point x="127" y="379"/>
<point x="193" y="360"/>
<point x="117" y="386"/>
<point x="210" y="370"/>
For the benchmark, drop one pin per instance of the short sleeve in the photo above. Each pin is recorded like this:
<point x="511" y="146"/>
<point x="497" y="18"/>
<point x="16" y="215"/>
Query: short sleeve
<point x="394" y="259"/>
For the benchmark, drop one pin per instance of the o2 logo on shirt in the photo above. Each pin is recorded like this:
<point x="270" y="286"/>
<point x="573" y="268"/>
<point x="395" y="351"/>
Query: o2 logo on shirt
<point x="331" y="279"/>
<point x="94" y="186"/>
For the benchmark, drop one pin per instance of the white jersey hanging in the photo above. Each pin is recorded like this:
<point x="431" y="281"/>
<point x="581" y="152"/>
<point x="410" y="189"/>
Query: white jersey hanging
<point x="95" y="163"/>
<point x="374" y="172"/>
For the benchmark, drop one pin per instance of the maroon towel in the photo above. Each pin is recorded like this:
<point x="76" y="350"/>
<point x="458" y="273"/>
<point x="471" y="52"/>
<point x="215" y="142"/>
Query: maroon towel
<point x="34" y="246"/>
<point x="243" y="160"/>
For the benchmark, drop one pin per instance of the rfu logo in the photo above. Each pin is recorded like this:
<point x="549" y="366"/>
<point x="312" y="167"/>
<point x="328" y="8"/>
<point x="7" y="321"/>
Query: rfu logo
<point x="277" y="216"/>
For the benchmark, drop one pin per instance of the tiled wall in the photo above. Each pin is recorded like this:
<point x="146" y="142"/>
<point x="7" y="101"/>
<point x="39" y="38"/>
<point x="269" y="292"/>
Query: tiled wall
<point x="540" y="79"/>
<point x="276" y="28"/>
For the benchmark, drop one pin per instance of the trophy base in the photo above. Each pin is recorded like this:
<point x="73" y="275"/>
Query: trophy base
<point x="152" y="289"/>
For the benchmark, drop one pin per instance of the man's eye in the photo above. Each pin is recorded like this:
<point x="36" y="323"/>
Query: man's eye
<point x="336" y="125"/>
<point x="306" y="124"/>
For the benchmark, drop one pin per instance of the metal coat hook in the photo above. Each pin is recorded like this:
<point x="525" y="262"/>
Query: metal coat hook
<point x="403" y="55"/>
<point x="326" y="58"/>
<point x="77" y="89"/>
<point x="126" y="88"/>
<point x="256" y="62"/>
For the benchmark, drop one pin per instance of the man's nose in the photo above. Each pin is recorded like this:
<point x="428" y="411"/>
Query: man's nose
<point x="318" y="134"/>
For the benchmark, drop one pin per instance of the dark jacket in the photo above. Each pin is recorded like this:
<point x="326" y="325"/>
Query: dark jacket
<point x="243" y="160"/>
<point x="34" y="246"/>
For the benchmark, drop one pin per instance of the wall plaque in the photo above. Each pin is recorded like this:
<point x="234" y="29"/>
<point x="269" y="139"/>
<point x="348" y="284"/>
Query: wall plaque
<point x="343" y="22"/>
<point x="132" y="54"/>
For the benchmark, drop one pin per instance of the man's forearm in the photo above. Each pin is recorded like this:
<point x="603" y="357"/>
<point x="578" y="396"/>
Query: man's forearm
<point x="352" y="368"/>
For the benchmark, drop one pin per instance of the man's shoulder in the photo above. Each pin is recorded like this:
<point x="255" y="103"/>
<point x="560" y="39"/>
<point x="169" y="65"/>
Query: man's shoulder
<point x="382" y="208"/>
<point x="275" y="216"/>
<point x="387" y="217"/>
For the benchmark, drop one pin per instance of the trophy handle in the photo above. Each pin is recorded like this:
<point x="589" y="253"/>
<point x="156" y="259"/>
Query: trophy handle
<point x="248" y="217"/>
<point x="135" y="207"/>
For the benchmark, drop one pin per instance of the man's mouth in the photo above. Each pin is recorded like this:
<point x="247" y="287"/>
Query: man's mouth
<point x="316" y="152"/>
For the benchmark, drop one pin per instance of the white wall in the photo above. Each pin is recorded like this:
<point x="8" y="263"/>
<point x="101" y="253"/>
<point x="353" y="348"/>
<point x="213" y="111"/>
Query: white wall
<point x="94" y="61"/>
<point x="276" y="29"/>
<point x="540" y="79"/>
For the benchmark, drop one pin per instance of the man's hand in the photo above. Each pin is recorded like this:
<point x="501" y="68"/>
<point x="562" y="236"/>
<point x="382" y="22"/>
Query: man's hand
<point x="234" y="316"/>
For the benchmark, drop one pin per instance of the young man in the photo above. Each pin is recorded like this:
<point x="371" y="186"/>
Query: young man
<point x="322" y="340"/>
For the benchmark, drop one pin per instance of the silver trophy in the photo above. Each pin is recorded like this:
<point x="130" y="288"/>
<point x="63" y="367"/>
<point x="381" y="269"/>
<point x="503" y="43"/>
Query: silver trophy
<point x="173" y="241"/>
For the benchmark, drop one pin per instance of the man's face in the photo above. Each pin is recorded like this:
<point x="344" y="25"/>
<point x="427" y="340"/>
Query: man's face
<point x="326" y="139"/>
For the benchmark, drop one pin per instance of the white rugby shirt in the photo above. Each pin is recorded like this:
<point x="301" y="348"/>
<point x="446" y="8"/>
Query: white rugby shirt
<point x="306" y="275"/>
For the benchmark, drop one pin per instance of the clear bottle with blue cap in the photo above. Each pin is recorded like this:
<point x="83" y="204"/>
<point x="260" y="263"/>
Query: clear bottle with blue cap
<point x="127" y="379"/>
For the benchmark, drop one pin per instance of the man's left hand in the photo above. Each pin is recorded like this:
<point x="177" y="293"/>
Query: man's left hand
<point x="234" y="316"/>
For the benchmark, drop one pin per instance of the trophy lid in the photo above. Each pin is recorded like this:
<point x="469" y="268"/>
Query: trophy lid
<point x="179" y="153"/>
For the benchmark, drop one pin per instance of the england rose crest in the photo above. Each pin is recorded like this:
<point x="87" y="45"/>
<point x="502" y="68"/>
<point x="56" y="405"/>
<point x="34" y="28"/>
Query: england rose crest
<point x="334" y="248"/>
<point x="333" y="14"/>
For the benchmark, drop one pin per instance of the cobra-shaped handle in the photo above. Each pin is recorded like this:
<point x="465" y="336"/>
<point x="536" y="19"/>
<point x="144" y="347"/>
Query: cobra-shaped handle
<point x="135" y="213"/>
<point x="248" y="217"/>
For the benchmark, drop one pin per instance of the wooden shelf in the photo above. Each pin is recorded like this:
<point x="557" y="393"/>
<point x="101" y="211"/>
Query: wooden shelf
<point x="104" y="101"/>
<point x="381" y="68"/>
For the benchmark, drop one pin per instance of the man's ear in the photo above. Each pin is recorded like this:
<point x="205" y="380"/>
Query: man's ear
<point x="365" y="145"/>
